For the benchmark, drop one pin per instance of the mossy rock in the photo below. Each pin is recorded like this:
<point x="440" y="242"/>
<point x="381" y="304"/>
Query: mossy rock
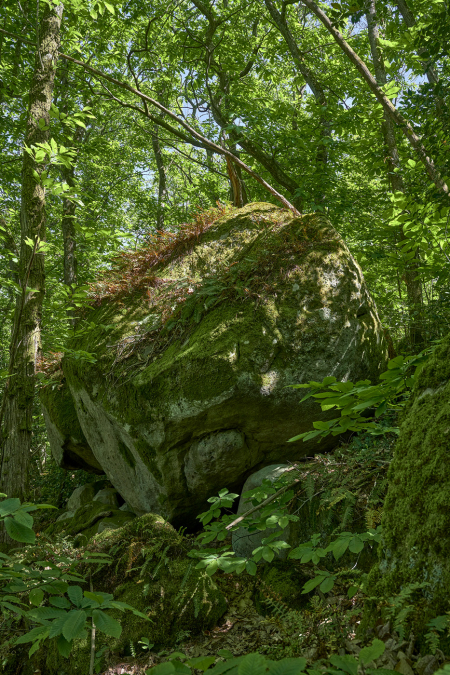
<point x="416" y="515"/>
<point x="152" y="572"/>
<point x="88" y="520"/>
<point x="181" y="408"/>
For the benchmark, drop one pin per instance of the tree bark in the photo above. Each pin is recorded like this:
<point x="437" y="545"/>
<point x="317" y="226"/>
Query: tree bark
<point x="162" y="180"/>
<point x="25" y="347"/>
<point x="413" y="284"/>
<point x="388" y="106"/>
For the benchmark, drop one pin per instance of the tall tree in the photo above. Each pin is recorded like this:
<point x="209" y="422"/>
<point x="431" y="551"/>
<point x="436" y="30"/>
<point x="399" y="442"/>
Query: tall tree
<point x="25" y="346"/>
<point x="412" y="279"/>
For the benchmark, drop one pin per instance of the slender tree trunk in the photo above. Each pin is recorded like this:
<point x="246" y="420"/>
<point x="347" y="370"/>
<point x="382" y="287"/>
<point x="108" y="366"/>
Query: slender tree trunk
<point x="413" y="284"/>
<point x="17" y="403"/>
<point x="414" y="140"/>
<point x="68" y="230"/>
<point x="162" y="180"/>
<point x="238" y="193"/>
<point x="69" y="206"/>
<point x="311" y="80"/>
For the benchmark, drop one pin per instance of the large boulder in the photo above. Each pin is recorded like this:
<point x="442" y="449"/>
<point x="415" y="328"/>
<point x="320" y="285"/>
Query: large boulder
<point x="190" y="392"/>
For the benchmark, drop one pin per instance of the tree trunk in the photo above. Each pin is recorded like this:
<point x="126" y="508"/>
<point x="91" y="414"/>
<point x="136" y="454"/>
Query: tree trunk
<point x="17" y="403"/>
<point x="319" y="94"/>
<point x="162" y="180"/>
<point x="413" y="284"/>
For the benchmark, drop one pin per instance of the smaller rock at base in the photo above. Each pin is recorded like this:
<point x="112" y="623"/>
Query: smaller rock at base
<point x="65" y="516"/>
<point x="125" y="507"/>
<point x="404" y="668"/>
<point x="244" y="542"/>
<point x="114" y="522"/>
<point x="107" y="496"/>
<point x="81" y="496"/>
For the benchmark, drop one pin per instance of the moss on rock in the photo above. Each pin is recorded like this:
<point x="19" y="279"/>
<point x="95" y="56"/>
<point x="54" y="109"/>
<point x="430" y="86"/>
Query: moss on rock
<point x="151" y="571"/>
<point x="416" y="520"/>
<point x="205" y="353"/>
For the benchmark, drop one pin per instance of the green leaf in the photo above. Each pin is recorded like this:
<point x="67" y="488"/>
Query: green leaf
<point x="225" y="653"/>
<point x="352" y="591"/>
<point x="32" y="635"/>
<point x="339" y="547"/>
<point x="252" y="664"/>
<point x="106" y="623"/>
<point x="75" y="594"/>
<point x="23" y="518"/>
<point x="9" y="506"/>
<point x="60" y="602"/>
<point x="57" y="626"/>
<point x="201" y="662"/>
<point x="45" y="613"/>
<point x="36" y="596"/>
<point x="312" y="583"/>
<point x="372" y="652"/>
<point x="251" y="567"/>
<point x="346" y="663"/>
<point x="166" y="668"/>
<point x="19" y="532"/>
<point x="64" y="646"/>
<point x="74" y="624"/>
<point x="356" y="545"/>
<point x="327" y="584"/>
<point x="289" y="666"/>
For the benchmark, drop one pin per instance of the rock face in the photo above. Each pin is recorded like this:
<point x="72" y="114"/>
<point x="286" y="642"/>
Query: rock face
<point x="190" y="391"/>
<point x="416" y="520"/>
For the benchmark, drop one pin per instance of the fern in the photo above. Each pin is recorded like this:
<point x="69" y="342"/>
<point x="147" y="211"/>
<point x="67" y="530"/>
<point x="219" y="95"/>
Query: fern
<point x="309" y="486"/>
<point x="279" y="609"/>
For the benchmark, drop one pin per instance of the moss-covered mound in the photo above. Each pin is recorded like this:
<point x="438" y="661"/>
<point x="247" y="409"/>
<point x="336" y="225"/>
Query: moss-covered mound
<point x="151" y="571"/>
<point x="416" y="520"/>
<point x="88" y="520"/>
<point x="190" y="392"/>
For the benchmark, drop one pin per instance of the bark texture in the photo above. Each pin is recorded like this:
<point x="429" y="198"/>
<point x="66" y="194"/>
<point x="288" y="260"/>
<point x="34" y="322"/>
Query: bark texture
<point x="25" y="347"/>
<point x="162" y="180"/>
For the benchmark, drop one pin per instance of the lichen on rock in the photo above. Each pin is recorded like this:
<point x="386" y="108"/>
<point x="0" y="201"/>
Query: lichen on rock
<point x="190" y="392"/>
